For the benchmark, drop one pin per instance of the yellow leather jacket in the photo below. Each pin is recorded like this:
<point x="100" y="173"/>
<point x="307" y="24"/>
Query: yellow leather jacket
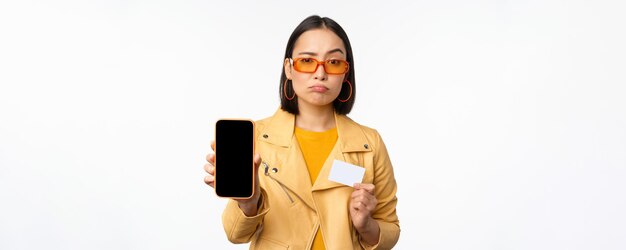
<point x="292" y="209"/>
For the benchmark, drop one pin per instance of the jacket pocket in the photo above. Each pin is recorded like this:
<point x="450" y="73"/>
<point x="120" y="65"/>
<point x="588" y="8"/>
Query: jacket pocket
<point x="286" y="192"/>
<point x="280" y="185"/>
<point x="265" y="243"/>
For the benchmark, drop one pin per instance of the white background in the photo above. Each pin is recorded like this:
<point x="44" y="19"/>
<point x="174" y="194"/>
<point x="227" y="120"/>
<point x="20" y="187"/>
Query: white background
<point x="505" y="120"/>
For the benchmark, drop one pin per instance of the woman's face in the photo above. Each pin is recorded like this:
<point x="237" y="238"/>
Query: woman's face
<point x="317" y="88"/>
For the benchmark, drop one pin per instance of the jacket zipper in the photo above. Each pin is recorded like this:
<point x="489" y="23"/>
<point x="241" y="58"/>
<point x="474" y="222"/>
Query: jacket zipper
<point x="281" y="185"/>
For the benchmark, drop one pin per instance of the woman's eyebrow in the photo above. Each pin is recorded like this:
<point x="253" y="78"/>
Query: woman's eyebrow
<point x="315" y="54"/>
<point x="335" y="50"/>
<point x="308" y="53"/>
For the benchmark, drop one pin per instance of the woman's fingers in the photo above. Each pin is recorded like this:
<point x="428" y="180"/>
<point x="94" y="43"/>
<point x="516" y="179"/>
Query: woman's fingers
<point x="210" y="158"/>
<point x="210" y="180"/>
<point x="360" y="206"/>
<point x="257" y="160"/>
<point x="209" y="168"/>
<point x="363" y="200"/>
<point x="363" y="207"/>
<point x="357" y="192"/>
<point x="365" y="186"/>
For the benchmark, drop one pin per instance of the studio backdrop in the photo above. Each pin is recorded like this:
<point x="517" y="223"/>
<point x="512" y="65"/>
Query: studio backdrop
<point x="505" y="121"/>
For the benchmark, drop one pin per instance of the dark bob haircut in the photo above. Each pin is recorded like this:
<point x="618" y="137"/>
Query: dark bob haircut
<point x="311" y="23"/>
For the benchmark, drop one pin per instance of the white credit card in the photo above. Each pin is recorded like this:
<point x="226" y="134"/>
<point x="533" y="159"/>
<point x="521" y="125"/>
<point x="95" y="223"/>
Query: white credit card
<point x="346" y="173"/>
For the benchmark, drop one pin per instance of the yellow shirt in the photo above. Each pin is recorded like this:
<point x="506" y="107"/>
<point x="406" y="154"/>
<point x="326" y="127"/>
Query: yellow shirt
<point x="316" y="147"/>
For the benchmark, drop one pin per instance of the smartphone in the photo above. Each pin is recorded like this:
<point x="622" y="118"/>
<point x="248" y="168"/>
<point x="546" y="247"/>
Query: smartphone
<point x="234" y="158"/>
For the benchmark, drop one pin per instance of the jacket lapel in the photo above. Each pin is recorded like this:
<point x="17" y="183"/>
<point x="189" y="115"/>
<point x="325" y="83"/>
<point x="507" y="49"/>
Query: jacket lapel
<point x="350" y="139"/>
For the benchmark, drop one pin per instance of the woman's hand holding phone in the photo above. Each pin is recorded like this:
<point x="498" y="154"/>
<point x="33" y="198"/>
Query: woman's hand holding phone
<point x="248" y="206"/>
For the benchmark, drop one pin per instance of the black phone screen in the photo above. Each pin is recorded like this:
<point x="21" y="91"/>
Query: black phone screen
<point x="234" y="159"/>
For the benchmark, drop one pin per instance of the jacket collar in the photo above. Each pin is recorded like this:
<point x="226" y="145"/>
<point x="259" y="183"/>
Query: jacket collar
<point x="280" y="129"/>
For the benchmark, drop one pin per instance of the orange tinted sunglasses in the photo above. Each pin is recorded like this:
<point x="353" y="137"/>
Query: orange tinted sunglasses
<point x="309" y="65"/>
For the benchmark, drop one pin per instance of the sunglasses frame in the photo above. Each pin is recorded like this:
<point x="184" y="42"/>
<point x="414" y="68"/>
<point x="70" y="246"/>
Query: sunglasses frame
<point x="294" y="60"/>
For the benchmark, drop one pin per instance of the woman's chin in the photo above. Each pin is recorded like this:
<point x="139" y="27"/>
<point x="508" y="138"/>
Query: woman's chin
<point x="318" y="101"/>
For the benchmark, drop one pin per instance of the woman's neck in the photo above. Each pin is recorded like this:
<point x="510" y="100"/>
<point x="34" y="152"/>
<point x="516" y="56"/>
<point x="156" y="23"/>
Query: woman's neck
<point x="315" y="118"/>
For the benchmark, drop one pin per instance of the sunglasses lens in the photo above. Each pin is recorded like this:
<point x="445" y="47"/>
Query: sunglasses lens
<point x="306" y="65"/>
<point x="309" y="65"/>
<point x="336" y="66"/>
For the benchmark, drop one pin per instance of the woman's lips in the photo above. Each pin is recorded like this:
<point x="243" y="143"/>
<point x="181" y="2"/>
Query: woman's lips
<point x="319" y="88"/>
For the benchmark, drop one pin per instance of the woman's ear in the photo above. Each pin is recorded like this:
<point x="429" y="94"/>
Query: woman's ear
<point x="287" y="66"/>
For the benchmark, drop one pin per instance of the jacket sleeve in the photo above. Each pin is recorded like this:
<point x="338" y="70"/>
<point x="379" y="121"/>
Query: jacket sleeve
<point x="385" y="191"/>
<point x="240" y="228"/>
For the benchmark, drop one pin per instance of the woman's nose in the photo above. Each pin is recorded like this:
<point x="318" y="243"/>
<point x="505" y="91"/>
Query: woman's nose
<point x="320" y="73"/>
